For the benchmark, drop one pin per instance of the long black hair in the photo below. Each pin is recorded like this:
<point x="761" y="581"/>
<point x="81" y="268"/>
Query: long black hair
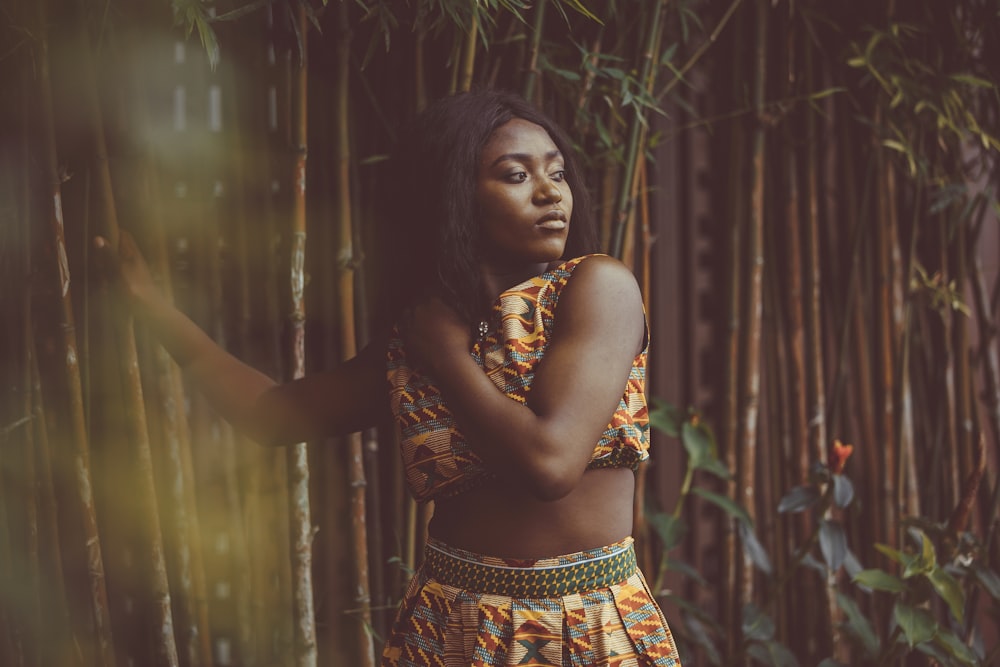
<point x="429" y="208"/>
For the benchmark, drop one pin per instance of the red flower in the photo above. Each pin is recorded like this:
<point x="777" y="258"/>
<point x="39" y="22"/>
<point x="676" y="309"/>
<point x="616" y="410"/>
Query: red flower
<point x="839" y="456"/>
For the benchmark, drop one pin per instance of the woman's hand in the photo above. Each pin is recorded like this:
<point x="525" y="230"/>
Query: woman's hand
<point x="128" y="268"/>
<point x="433" y="333"/>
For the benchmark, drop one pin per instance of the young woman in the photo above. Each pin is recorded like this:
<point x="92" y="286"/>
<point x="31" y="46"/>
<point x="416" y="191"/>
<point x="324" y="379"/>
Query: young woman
<point x="513" y="363"/>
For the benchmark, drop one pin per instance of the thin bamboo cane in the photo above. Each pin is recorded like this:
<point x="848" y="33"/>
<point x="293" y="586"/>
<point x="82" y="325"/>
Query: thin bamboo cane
<point x="637" y="133"/>
<point x="950" y="445"/>
<point x="11" y="637"/>
<point x="885" y="346"/>
<point x="736" y="212"/>
<point x="300" y="521"/>
<point x="62" y="649"/>
<point x="531" y="89"/>
<point x="346" y="263"/>
<point x="468" y="62"/>
<point x="963" y="371"/>
<point x="751" y="349"/>
<point x="816" y="388"/>
<point x="779" y="403"/>
<point x="81" y="449"/>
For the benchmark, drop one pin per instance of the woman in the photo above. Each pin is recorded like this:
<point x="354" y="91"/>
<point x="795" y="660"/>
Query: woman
<point x="530" y="463"/>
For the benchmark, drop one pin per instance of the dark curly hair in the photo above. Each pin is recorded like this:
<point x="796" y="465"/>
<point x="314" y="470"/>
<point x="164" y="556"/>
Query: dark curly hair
<point x="430" y="211"/>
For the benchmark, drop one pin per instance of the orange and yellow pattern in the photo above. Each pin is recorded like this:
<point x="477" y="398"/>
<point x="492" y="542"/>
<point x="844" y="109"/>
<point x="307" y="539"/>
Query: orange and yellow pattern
<point x="438" y="460"/>
<point x="598" y="611"/>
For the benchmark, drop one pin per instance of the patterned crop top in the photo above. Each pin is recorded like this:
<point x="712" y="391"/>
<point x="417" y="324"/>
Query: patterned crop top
<point x="439" y="462"/>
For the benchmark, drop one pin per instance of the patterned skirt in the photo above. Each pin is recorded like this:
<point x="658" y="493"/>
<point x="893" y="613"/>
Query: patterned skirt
<point x="589" y="608"/>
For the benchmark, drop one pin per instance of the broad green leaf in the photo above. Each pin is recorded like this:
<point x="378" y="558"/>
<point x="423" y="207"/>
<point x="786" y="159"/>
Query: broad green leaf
<point x="947" y="640"/>
<point x="687" y="570"/>
<point x="925" y="562"/>
<point x="698" y="443"/>
<point x="858" y="625"/>
<point x="669" y="529"/>
<point x="829" y="662"/>
<point x="843" y="491"/>
<point x="833" y="543"/>
<point x="988" y="578"/>
<point x="880" y="580"/>
<point x="728" y="505"/>
<point x="799" y="498"/>
<point x="918" y="625"/>
<point x="667" y="417"/>
<point x="756" y="625"/>
<point x="950" y="591"/>
<point x="772" y="654"/>
<point x="699" y="634"/>
<point x="753" y="548"/>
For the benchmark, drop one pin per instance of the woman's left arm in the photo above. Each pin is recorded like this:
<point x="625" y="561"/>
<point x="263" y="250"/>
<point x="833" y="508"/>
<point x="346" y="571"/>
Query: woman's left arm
<point x="599" y="329"/>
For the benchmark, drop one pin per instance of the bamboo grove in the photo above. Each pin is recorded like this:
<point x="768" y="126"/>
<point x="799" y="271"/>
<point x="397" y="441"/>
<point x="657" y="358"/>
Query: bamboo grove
<point x="807" y="192"/>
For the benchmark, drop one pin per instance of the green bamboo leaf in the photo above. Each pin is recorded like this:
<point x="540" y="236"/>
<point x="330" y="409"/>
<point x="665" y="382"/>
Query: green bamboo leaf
<point x="726" y="504"/>
<point x="950" y="592"/>
<point x="756" y="625"/>
<point x="973" y="81"/>
<point x="858" y="625"/>
<point x="947" y="640"/>
<point x="880" y="580"/>
<point x="858" y="61"/>
<point x="829" y="662"/>
<point x="826" y="92"/>
<point x="918" y="625"/>
<point x="239" y="12"/>
<point x="833" y="544"/>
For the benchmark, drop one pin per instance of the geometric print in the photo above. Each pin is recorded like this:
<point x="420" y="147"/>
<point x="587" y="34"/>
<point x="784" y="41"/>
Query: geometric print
<point x="437" y="459"/>
<point x="606" y="620"/>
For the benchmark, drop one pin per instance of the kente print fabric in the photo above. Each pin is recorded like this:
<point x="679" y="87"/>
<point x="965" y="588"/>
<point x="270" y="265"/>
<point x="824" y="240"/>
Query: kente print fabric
<point x="438" y="460"/>
<point x="585" y="609"/>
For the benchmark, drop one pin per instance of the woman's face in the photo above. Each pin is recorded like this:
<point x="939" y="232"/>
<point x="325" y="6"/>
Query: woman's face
<point x="522" y="196"/>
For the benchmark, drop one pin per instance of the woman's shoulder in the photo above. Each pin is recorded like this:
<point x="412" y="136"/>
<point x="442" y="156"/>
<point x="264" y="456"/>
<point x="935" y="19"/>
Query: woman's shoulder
<point x="598" y="273"/>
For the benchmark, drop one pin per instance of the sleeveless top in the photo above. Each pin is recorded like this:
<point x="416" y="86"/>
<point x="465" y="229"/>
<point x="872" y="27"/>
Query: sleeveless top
<point x="438" y="460"/>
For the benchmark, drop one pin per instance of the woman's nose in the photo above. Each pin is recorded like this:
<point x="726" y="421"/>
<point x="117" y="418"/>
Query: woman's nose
<point x="548" y="192"/>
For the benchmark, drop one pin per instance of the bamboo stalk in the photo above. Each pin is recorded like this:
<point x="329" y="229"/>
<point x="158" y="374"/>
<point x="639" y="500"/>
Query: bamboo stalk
<point x="885" y="346"/>
<point x="346" y="263"/>
<point x="816" y="387"/>
<point x="98" y="597"/>
<point x="754" y="303"/>
<point x="531" y="87"/>
<point x="300" y="521"/>
<point x="734" y="333"/>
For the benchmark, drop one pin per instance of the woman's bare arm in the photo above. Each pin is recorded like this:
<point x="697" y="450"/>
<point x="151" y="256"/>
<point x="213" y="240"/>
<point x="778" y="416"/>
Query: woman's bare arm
<point x="347" y="398"/>
<point x="546" y="447"/>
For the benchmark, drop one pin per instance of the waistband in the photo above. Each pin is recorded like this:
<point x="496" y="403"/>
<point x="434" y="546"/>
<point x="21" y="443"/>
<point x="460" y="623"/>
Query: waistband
<point x="540" y="578"/>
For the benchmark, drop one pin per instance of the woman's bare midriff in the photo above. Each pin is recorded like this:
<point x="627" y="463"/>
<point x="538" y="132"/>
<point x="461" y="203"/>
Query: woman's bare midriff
<point x="498" y="519"/>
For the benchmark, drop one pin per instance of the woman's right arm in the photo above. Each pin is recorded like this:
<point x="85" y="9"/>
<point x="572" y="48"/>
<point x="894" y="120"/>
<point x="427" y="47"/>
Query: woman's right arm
<point x="347" y="398"/>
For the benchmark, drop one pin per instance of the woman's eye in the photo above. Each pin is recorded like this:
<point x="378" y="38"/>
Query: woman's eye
<point x="517" y="177"/>
<point x="559" y="175"/>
